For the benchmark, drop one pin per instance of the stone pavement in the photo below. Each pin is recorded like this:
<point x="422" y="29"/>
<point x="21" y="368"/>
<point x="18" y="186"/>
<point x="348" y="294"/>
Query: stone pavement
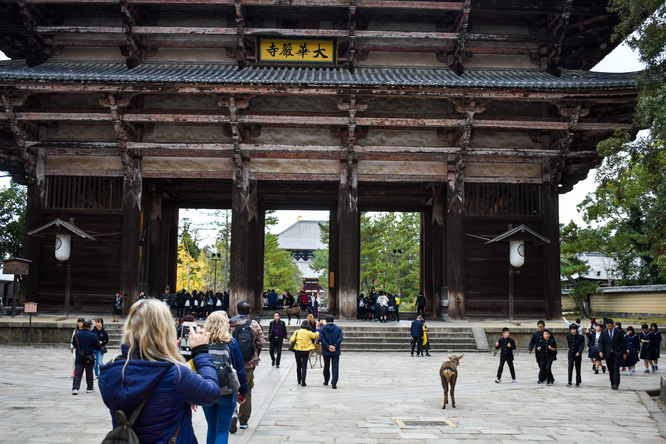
<point x="375" y="392"/>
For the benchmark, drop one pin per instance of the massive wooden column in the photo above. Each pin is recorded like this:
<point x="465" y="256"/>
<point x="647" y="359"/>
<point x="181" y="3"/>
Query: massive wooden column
<point x="170" y="224"/>
<point x="257" y="269"/>
<point x="349" y="246"/>
<point x="131" y="236"/>
<point x="244" y="237"/>
<point x="333" y="263"/>
<point x="158" y="253"/>
<point x="435" y="231"/>
<point x="551" y="251"/>
<point x="455" y="242"/>
<point x="33" y="219"/>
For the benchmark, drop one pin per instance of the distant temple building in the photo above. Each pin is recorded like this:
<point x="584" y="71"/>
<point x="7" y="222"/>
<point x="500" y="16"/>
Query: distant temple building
<point x="301" y="240"/>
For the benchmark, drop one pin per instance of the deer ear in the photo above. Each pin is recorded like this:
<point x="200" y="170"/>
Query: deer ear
<point x="450" y="357"/>
<point x="460" y="357"/>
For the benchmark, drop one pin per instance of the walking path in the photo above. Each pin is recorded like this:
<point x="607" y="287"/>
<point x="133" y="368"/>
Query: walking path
<point x="375" y="393"/>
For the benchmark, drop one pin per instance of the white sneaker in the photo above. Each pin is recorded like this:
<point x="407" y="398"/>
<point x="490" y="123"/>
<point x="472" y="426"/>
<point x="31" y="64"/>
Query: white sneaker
<point x="75" y="391"/>
<point x="90" y="391"/>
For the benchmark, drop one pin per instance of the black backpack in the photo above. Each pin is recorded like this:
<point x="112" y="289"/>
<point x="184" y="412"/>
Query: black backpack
<point x="245" y="337"/>
<point x="226" y="373"/>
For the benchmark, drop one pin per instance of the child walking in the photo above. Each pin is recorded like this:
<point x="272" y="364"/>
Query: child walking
<point x="655" y="344"/>
<point x="576" y="343"/>
<point x="633" y="344"/>
<point x="646" y="338"/>
<point x="506" y="345"/>
<point x="426" y="342"/>
<point x="548" y="347"/>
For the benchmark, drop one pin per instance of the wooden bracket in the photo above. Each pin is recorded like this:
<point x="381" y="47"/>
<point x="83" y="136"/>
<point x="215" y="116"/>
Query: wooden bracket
<point x="458" y="53"/>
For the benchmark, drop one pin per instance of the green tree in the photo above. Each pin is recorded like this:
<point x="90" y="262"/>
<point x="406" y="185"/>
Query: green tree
<point x="189" y="237"/>
<point x="13" y="200"/>
<point x="573" y="241"/>
<point x="630" y="202"/>
<point x="280" y="269"/>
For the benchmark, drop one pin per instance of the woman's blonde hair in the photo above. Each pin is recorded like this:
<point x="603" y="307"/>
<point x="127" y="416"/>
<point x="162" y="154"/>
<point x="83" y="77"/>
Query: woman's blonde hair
<point x="150" y="333"/>
<point x="311" y="318"/>
<point x="217" y="324"/>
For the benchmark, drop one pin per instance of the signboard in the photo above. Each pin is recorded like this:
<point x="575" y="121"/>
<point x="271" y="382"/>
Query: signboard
<point x="30" y="307"/>
<point x="16" y="266"/>
<point x="296" y="51"/>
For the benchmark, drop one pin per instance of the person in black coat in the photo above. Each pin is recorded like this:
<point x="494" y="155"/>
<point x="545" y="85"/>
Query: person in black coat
<point x="547" y="349"/>
<point x="85" y="343"/>
<point x="613" y="349"/>
<point x="331" y="337"/>
<point x="277" y="333"/>
<point x="421" y="304"/>
<point x="417" y="335"/>
<point x="180" y="303"/>
<point x="536" y="337"/>
<point x="576" y="343"/>
<point x="506" y="345"/>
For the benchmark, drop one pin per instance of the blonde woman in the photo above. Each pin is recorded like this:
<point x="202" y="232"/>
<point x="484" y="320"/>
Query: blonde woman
<point x="218" y="415"/>
<point x="303" y="338"/>
<point x="150" y="368"/>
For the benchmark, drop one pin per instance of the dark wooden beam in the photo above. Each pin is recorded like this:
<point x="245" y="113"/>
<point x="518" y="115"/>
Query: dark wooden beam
<point x="458" y="54"/>
<point x="558" y="28"/>
<point x="349" y="227"/>
<point x="135" y="48"/>
<point x="551" y="252"/>
<point x="131" y="235"/>
<point x="40" y="45"/>
<point x="240" y="34"/>
<point x="455" y="240"/>
<point x="381" y="4"/>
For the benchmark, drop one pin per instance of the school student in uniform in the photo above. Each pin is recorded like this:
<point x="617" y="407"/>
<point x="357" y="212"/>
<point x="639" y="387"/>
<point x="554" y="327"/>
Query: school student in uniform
<point x="576" y="343"/>
<point x="548" y="348"/>
<point x="506" y="346"/>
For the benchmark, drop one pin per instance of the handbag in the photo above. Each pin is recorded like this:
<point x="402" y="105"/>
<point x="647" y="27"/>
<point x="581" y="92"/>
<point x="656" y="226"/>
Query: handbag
<point x="103" y="349"/>
<point x="292" y="346"/>
<point x="88" y="359"/>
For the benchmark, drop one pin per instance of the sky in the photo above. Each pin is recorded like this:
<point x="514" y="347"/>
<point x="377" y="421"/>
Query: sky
<point x="622" y="59"/>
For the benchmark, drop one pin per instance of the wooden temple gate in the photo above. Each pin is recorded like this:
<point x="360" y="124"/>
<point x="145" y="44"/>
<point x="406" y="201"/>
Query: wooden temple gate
<point x="477" y="114"/>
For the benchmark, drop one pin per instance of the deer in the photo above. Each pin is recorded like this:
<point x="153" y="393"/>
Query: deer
<point x="293" y="311"/>
<point x="448" y="372"/>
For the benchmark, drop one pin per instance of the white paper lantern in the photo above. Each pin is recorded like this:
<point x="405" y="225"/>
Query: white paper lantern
<point x="517" y="253"/>
<point x="63" y="246"/>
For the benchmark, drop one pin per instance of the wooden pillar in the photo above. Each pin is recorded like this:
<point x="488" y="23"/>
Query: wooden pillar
<point x="34" y="217"/>
<point x="455" y="243"/>
<point x="259" y="227"/>
<point x="349" y="247"/>
<point x="437" y="249"/>
<point x="171" y="233"/>
<point x="426" y="260"/>
<point x="131" y="236"/>
<point x="551" y="252"/>
<point x="244" y="249"/>
<point x="333" y="263"/>
<point x="158" y="254"/>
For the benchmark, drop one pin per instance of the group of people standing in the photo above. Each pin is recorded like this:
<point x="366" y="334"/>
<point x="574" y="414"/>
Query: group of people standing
<point x="307" y="302"/>
<point x="608" y="347"/>
<point x="88" y="347"/>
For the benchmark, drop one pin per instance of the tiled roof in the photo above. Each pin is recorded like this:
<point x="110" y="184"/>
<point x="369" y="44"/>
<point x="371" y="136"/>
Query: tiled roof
<point x="215" y="73"/>
<point x="303" y="235"/>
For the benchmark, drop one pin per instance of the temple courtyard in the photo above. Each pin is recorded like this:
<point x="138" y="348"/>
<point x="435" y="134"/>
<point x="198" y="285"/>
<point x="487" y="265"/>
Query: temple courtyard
<point x="381" y="398"/>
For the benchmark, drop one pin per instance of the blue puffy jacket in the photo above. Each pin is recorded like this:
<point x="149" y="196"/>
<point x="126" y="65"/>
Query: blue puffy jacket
<point x="174" y="388"/>
<point x="330" y="334"/>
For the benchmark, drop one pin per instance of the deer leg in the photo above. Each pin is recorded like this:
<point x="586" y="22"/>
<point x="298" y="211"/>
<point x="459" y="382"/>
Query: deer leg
<point x="446" y="394"/>
<point x="453" y="387"/>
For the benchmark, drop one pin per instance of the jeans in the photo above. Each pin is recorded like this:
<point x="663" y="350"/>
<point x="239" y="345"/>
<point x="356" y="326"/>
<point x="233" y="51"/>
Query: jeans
<point x="301" y="365"/>
<point x="500" y="369"/>
<point x="418" y="342"/>
<point x="218" y="417"/>
<point x="276" y="349"/>
<point x="78" y="375"/>
<point x="613" y="364"/>
<point x="245" y="409"/>
<point x="575" y="361"/>
<point x="335" y="359"/>
<point x="99" y="361"/>
<point x="545" y="374"/>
